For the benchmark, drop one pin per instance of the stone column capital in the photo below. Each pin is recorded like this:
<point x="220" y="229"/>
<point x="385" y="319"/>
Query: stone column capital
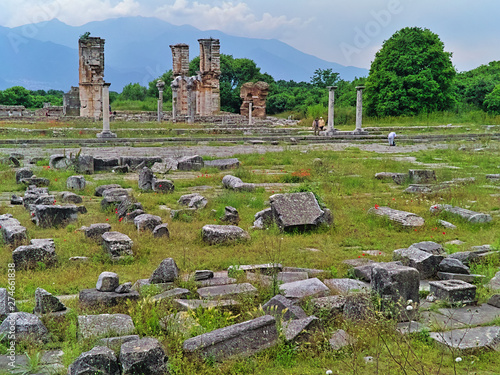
<point x="332" y="88"/>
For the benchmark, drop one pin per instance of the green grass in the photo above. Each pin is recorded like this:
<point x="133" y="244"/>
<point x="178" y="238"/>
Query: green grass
<point x="344" y="183"/>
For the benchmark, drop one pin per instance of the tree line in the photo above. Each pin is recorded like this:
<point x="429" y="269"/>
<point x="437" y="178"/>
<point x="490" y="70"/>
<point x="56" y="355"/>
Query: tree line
<point x="411" y="74"/>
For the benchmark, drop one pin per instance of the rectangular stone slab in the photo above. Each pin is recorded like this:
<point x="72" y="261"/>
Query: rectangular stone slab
<point x="191" y="304"/>
<point x="296" y="211"/>
<point x="453" y="290"/>
<point x="105" y="325"/>
<point x="226" y="291"/>
<point x="298" y="290"/>
<point x="242" y="339"/>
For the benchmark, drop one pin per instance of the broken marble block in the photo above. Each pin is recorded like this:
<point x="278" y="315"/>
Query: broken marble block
<point x="117" y="244"/>
<point x="76" y="182"/>
<point x="46" y="216"/>
<point x="470" y="216"/>
<point x="98" y="360"/>
<point x="144" y="356"/>
<point x="95" y="231"/>
<point x="107" y="282"/>
<point x="223" y="234"/>
<point x="235" y="183"/>
<point x="103" y="325"/>
<point x="163" y="186"/>
<point x="194" y="201"/>
<point x="45" y="302"/>
<point x="147" y="222"/>
<point x="38" y="251"/>
<point x="453" y="290"/>
<point x="282" y="308"/>
<point x="426" y="263"/>
<point x="25" y="327"/>
<point x="406" y="219"/>
<point x="298" y="290"/>
<point x="166" y="272"/>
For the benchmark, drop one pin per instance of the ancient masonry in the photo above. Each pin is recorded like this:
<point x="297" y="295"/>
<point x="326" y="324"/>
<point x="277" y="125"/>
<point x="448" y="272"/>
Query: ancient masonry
<point x="91" y="71"/>
<point x="254" y="96"/>
<point x="200" y="94"/>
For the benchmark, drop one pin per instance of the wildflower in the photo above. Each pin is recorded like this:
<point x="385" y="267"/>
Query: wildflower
<point x="409" y="307"/>
<point x="415" y="230"/>
<point x="328" y="372"/>
<point x="458" y="359"/>
<point x="444" y="232"/>
<point x="379" y="253"/>
<point x="410" y="301"/>
<point x="377" y="206"/>
<point x="55" y="179"/>
<point x="107" y="219"/>
<point x="363" y="254"/>
<point x="359" y="256"/>
<point x="393" y="199"/>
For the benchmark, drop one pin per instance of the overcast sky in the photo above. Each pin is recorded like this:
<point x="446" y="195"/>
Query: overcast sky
<point x="345" y="31"/>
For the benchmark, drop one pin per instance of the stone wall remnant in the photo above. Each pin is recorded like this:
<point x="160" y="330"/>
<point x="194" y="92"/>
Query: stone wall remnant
<point x="91" y="74"/>
<point x="71" y="102"/>
<point x="255" y="93"/>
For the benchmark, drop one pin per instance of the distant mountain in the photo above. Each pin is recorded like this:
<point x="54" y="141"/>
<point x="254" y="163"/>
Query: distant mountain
<point x="45" y="56"/>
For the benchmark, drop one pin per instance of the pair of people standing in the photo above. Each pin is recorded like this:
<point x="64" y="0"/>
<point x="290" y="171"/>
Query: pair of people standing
<point x="318" y="125"/>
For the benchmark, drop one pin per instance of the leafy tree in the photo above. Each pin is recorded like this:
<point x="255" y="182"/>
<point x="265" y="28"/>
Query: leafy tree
<point x="324" y="77"/>
<point x="472" y="87"/>
<point x="410" y="74"/>
<point x="492" y="100"/>
<point x="133" y="91"/>
<point x="16" y="95"/>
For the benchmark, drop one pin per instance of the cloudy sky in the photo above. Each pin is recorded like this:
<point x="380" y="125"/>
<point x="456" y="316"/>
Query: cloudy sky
<point x="345" y="31"/>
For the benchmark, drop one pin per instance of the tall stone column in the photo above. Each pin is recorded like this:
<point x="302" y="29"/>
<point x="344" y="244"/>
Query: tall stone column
<point x="250" y="105"/>
<point x="191" y="97"/>
<point x="106" y="131"/>
<point x="174" y="101"/>
<point x="331" y="108"/>
<point x="160" y="85"/>
<point x="359" y="108"/>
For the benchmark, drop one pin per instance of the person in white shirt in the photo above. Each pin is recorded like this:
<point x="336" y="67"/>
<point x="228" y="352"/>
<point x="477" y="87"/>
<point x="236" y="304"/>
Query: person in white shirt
<point x="391" y="137"/>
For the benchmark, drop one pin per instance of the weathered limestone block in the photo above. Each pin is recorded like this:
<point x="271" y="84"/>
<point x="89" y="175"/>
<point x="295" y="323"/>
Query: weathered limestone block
<point x="265" y="269"/>
<point x="101" y="188"/>
<point x="231" y="216"/>
<point x="263" y="219"/>
<point x="95" y="231"/>
<point x="255" y="93"/>
<point x="36" y="181"/>
<point x="103" y="325"/>
<point x="452" y="265"/>
<point x="422" y="176"/>
<point x="426" y="263"/>
<point x="398" y="178"/>
<point x="226" y="291"/>
<point x="470" y="216"/>
<point x="192" y="304"/>
<point x="364" y="272"/>
<point x="494" y="300"/>
<point x="453" y="290"/>
<point x="134" y="162"/>
<point x="69" y="197"/>
<point x="175" y="293"/>
<point x="332" y="305"/>
<point x="468" y="278"/>
<point x="282" y="308"/>
<point x="203" y="275"/>
<point x="144" y="356"/>
<point x="190" y="163"/>
<point x="299" y="290"/>
<point x="98" y="299"/>
<point x="59" y="162"/>
<point x="166" y="272"/>
<point x="406" y="219"/>
<point x="76" y="182"/>
<point x="147" y="222"/>
<point x="84" y="164"/>
<point x="346" y="286"/>
<point x="6" y="305"/>
<point x="235" y="183"/>
<point x="469" y="340"/>
<point x="46" y="216"/>
<point x="126" y="207"/>
<point x="23" y="173"/>
<point x="13" y="232"/>
<point x="28" y="257"/>
<point x="45" y="302"/>
<point x="242" y="339"/>
<point x="16" y="201"/>
<point x="223" y="164"/>
<point x="163" y="186"/>
<point x="27" y="327"/>
<point x="107" y="282"/>
<point x="115" y="343"/>
<point x="161" y="230"/>
<point x="193" y="201"/>
<point x="429" y="247"/>
<point x="466" y="257"/>
<point x="98" y="360"/>
<point x="117" y="244"/>
<point x="298" y="211"/>
<point x="494" y="283"/>
<point x="223" y="234"/>
<point x="166" y="166"/>
<point x="341" y="339"/>
<point x="146" y="179"/>
<point x="300" y="329"/>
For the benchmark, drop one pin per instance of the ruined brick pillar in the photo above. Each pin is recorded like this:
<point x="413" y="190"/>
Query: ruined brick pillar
<point x="254" y="93"/>
<point x="180" y="71"/>
<point x="91" y="74"/>
<point x="208" y="100"/>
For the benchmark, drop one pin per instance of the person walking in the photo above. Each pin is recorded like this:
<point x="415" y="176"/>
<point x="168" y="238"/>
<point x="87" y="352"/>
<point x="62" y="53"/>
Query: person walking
<point x="391" y="137"/>
<point x="315" y="126"/>
<point x="321" y="124"/>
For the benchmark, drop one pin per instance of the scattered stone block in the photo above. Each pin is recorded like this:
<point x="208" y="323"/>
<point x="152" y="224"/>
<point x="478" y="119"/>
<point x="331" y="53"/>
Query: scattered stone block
<point x="406" y="219"/>
<point x="107" y="282"/>
<point x="333" y="305"/>
<point x="235" y="183"/>
<point x="128" y="209"/>
<point x="16" y="201"/>
<point x="340" y="339"/>
<point x="25" y="326"/>
<point x="357" y="306"/>
<point x="46" y="216"/>
<point x="364" y="272"/>
<point x="5" y="307"/>
<point x="468" y="278"/>
<point x="470" y="216"/>
<point x="300" y="329"/>
<point x="161" y="230"/>
<point x="147" y="222"/>
<point x="263" y="219"/>
<point x="146" y="178"/>
<point x="117" y="244"/>
<point x="176" y="293"/>
<point x="144" y="356"/>
<point x="223" y="164"/>
<point x="76" y="182"/>
<point x="29" y="256"/>
<point x="36" y="181"/>
<point x="452" y="265"/>
<point x="470" y="340"/>
<point x="23" y="173"/>
<point x="59" y="162"/>
<point x="84" y="164"/>
<point x="69" y="197"/>
<point x="453" y="290"/>
<point x="422" y="176"/>
<point x="358" y="262"/>
<point x="466" y="257"/>
<point x="298" y="211"/>
<point x="135" y="162"/>
<point x="265" y="269"/>
<point x="203" y="275"/>
<point x="242" y="339"/>
<point x="13" y="232"/>
<point x="166" y="272"/>
<point x="45" y="302"/>
<point x="447" y="224"/>
<point x="426" y="263"/>
<point x="311" y="272"/>
<point x="95" y="231"/>
<point x="101" y="188"/>
<point x="193" y="201"/>
<point x="226" y="291"/>
<point x="105" y="164"/>
<point x="223" y="234"/>
<point x="192" y="304"/>
<point x="493" y="177"/>
<point x="283" y="309"/>
<point x="104" y="325"/>
<point x="98" y="360"/>
<point x="231" y="216"/>
<point x="429" y="247"/>
<point x="163" y="186"/>
<point x="190" y="163"/>
<point x="166" y="166"/>
<point x="346" y="286"/>
<point x="494" y="300"/>
<point x="398" y="178"/>
<point x="98" y="299"/>
<point x="115" y="343"/>
<point x="140" y="284"/>
<point x="124" y="288"/>
<point x="494" y="283"/>
<point x="217" y="281"/>
<point x="299" y="290"/>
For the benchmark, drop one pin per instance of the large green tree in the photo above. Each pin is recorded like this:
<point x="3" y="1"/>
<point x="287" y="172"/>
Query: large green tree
<point x="410" y="74"/>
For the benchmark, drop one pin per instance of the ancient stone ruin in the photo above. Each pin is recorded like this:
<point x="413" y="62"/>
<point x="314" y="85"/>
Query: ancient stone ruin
<point x="91" y="73"/>
<point x="254" y="96"/>
<point x="200" y="94"/>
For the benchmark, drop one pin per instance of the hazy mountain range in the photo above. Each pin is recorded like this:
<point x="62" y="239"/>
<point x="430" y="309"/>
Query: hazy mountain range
<point x="45" y="55"/>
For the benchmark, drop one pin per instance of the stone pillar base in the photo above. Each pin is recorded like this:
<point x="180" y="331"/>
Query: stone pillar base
<point x="106" y="134"/>
<point x="359" y="132"/>
<point x="329" y="132"/>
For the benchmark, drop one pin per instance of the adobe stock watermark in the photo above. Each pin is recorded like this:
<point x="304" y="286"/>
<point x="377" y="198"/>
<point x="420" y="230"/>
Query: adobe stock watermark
<point x="364" y="36"/>
<point x="11" y="303"/>
<point x="44" y="12"/>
